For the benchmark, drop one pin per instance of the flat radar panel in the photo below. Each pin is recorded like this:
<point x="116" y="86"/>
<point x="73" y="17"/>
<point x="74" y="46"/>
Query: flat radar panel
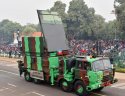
<point x="53" y="30"/>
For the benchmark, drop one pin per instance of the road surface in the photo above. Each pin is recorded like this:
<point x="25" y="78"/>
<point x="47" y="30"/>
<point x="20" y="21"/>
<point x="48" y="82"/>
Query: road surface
<point x="11" y="84"/>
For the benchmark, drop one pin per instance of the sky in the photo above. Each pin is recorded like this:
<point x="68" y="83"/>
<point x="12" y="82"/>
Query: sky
<point x="24" y="11"/>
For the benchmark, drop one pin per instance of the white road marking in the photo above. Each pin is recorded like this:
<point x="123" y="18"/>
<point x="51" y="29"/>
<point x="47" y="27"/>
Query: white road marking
<point x="26" y="93"/>
<point x="98" y="94"/>
<point x="10" y="65"/>
<point x="123" y="87"/>
<point x="118" y="85"/>
<point x="32" y="93"/>
<point x="3" y="89"/>
<point x="38" y="94"/>
<point x="9" y="72"/>
<point x="12" y="85"/>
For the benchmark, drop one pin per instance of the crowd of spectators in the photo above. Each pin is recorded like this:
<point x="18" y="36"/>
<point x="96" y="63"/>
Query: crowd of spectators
<point x="9" y="50"/>
<point x="99" y="47"/>
<point x="78" y="47"/>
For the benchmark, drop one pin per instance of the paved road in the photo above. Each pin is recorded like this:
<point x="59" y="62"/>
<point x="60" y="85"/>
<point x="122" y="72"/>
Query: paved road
<point x="13" y="85"/>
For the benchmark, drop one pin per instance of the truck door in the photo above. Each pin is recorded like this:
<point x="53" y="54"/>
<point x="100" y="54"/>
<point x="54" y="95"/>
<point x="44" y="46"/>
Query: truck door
<point x="81" y="72"/>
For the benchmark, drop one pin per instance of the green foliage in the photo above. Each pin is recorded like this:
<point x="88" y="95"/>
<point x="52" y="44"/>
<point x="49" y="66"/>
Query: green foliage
<point x="99" y="27"/>
<point x="78" y="17"/>
<point x="60" y="8"/>
<point x="7" y="28"/>
<point x="28" y="29"/>
<point x="120" y="14"/>
<point x="122" y="70"/>
<point x="120" y="1"/>
<point x="81" y="22"/>
<point x="111" y="29"/>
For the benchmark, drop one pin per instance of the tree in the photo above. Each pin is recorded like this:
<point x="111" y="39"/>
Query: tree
<point x="59" y="7"/>
<point x="111" y="29"/>
<point x="7" y="28"/>
<point x="81" y="22"/>
<point x="81" y="19"/>
<point x="99" y="27"/>
<point x="28" y="29"/>
<point x="119" y="6"/>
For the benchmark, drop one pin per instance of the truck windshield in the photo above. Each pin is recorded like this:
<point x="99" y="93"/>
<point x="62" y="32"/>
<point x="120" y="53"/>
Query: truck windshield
<point x="102" y="64"/>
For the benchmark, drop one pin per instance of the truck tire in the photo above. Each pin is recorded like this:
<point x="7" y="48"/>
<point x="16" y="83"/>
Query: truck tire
<point x="36" y="81"/>
<point x="27" y="76"/>
<point x="65" y="86"/>
<point x="99" y="89"/>
<point x="80" y="89"/>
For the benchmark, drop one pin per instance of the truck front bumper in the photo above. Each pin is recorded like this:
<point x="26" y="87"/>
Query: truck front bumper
<point x="109" y="83"/>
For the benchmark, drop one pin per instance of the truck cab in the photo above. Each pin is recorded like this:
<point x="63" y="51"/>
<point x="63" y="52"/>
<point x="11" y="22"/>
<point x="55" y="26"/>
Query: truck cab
<point x="92" y="74"/>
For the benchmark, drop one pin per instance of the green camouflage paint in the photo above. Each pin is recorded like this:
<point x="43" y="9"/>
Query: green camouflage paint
<point x="37" y="44"/>
<point x="80" y="89"/>
<point x="39" y="63"/>
<point x="65" y="83"/>
<point x="54" y="62"/>
<point x="95" y="79"/>
<point x="38" y="51"/>
<point x="53" y="65"/>
<point x="33" y="50"/>
<point x="26" y="44"/>
<point x="68" y="76"/>
<point x="28" y="58"/>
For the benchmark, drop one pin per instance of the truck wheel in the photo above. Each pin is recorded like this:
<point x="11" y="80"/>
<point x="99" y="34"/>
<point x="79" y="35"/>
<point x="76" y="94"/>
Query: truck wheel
<point x="98" y="90"/>
<point x="80" y="88"/>
<point x="27" y="76"/>
<point x="36" y="81"/>
<point x="65" y="86"/>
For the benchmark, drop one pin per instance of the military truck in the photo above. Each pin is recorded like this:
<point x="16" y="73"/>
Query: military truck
<point x="46" y="58"/>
